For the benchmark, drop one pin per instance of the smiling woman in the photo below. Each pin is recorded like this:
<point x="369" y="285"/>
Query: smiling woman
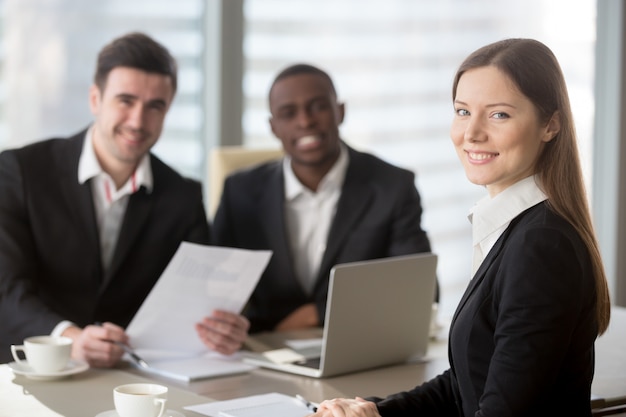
<point x="496" y="131"/>
<point x="522" y="339"/>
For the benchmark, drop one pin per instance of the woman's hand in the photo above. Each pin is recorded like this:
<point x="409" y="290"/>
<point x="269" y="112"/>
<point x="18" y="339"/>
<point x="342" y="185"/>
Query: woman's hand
<point x="343" y="407"/>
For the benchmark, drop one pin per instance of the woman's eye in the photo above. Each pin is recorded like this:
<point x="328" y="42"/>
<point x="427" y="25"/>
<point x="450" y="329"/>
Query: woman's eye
<point x="500" y="115"/>
<point x="462" y="112"/>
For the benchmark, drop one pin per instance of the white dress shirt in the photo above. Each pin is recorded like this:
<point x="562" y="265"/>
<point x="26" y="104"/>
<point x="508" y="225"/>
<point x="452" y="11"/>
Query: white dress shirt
<point x="491" y="216"/>
<point x="109" y="202"/>
<point x="309" y="216"/>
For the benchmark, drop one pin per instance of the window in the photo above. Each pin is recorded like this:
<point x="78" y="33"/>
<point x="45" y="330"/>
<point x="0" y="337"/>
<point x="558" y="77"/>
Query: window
<point x="393" y="63"/>
<point x="53" y="48"/>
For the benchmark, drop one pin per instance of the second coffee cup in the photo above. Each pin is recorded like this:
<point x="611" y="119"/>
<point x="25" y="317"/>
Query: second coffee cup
<point x="140" y="400"/>
<point x="44" y="354"/>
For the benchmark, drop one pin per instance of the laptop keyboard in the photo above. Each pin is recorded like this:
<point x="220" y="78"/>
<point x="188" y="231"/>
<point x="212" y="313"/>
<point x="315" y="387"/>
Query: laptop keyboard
<point x="310" y="363"/>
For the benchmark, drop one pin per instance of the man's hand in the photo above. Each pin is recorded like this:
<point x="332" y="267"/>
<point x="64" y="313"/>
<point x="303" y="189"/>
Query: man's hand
<point x="301" y="318"/>
<point x="223" y="332"/>
<point x="94" y="344"/>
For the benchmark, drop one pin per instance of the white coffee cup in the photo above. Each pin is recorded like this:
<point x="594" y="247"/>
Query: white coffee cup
<point x="140" y="400"/>
<point x="44" y="354"/>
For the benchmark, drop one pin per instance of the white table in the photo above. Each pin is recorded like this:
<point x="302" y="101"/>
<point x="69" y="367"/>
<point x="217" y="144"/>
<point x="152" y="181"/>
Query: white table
<point x="89" y="393"/>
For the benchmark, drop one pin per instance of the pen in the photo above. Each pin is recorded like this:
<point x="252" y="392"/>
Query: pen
<point x="128" y="350"/>
<point x="308" y="404"/>
<point x="132" y="354"/>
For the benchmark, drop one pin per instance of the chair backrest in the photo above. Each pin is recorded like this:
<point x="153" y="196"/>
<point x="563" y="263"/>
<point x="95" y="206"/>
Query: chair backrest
<point x="225" y="160"/>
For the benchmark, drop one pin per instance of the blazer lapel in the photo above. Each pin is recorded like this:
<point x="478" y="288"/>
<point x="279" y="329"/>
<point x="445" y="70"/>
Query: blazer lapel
<point x="78" y="196"/>
<point x="476" y="280"/>
<point x="354" y="200"/>
<point x="137" y="213"/>
<point x="272" y="209"/>
<point x="140" y="205"/>
<point x="484" y="267"/>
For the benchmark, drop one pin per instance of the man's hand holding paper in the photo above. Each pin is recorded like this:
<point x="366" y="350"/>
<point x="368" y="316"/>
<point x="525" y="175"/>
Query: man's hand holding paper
<point x="223" y="332"/>
<point x="195" y="304"/>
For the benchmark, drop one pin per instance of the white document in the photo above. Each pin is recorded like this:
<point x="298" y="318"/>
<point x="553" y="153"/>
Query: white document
<point x="209" y="365"/>
<point x="198" y="280"/>
<point x="264" y="405"/>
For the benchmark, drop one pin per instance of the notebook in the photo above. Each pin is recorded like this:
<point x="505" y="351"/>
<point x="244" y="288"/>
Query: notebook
<point x="378" y="313"/>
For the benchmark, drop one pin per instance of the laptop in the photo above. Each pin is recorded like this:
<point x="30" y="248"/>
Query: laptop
<point x="378" y="313"/>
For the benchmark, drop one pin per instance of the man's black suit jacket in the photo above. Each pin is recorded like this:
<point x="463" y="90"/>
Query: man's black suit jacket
<point x="522" y="338"/>
<point x="378" y="215"/>
<point x="50" y="267"/>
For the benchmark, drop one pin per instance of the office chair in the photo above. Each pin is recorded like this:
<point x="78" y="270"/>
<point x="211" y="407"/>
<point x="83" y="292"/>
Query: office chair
<point x="226" y="160"/>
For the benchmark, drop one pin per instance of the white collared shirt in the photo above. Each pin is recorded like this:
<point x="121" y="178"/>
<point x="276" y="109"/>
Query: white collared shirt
<point x="309" y="216"/>
<point x="491" y="216"/>
<point x="109" y="202"/>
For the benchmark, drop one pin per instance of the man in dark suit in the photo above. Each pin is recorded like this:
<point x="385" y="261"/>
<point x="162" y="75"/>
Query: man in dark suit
<point x="324" y="204"/>
<point x="88" y="223"/>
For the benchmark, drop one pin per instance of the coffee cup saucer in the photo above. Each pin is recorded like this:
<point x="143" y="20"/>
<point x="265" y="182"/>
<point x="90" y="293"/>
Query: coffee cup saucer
<point x="73" y="367"/>
<point x="167" y="413"/>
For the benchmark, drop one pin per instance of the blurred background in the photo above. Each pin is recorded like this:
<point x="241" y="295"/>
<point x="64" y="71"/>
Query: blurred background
<point x="392" y="62"/>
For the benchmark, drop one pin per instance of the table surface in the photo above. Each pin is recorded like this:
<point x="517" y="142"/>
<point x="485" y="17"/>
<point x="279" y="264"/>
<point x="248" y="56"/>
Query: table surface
<point x="609" y="382"/>
<point x="90" y="393"/>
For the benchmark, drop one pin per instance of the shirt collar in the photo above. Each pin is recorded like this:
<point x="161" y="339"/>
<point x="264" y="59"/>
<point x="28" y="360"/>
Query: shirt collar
<point x="490" y="214"/>
<point x="332" y="180"/>
<point x="89" y="167"/>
